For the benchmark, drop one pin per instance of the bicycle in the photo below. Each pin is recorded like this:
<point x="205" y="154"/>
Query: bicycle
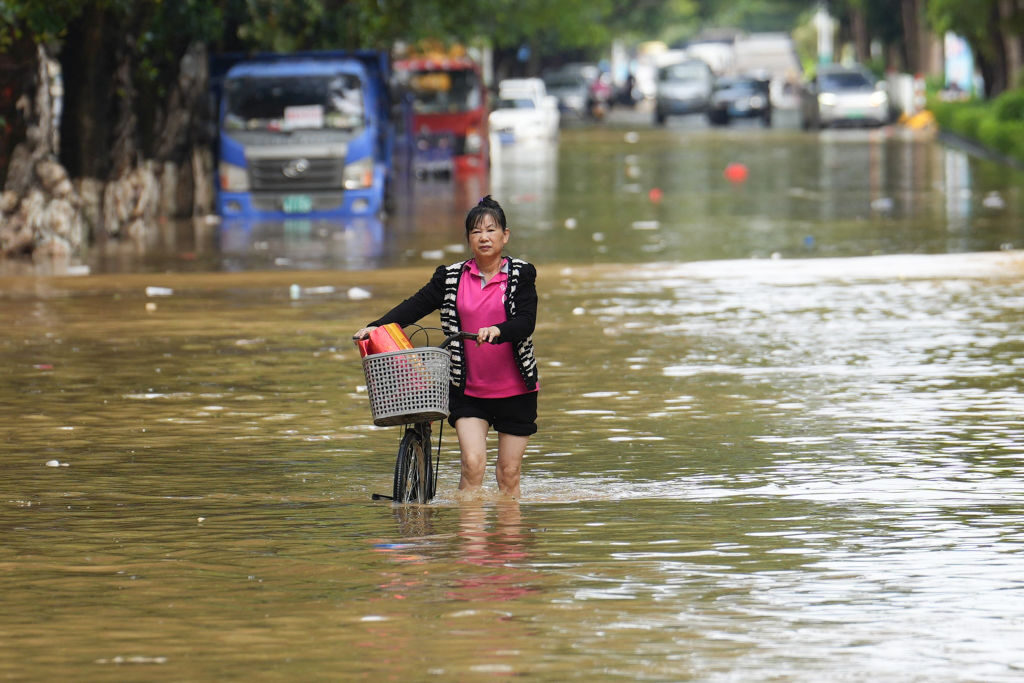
<point x="410" y="388"/>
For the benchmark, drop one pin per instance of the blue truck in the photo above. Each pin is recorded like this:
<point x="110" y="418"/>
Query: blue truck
<point x="304" y="136"/>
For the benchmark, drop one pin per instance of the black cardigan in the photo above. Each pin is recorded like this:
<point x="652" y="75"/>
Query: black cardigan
<point x="441" y="293"/>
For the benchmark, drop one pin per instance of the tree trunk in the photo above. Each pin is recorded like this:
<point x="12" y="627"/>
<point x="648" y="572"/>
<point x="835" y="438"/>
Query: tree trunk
<point x="39" y="208"/>
<point x="125" y="154"/>
<point x="994" y="66"/>
<point x="861" y="37"/>
<point x="87" y="60"/>
<point x="910" y="12"/>
<point x="184" y="130"/>
<point x="1011" y="15"/>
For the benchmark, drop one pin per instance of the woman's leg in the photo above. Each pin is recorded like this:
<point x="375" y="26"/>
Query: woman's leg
<point x="511" y="449"/>
<point x="472" y="433"/>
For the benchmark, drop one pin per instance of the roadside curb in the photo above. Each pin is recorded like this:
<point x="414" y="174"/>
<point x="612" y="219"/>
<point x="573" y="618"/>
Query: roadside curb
<point x="975" y="148"/>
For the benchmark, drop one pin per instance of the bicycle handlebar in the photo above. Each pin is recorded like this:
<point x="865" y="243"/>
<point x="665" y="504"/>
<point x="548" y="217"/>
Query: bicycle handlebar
<point x="447" y="340"/>
<point x="456" y="336"/>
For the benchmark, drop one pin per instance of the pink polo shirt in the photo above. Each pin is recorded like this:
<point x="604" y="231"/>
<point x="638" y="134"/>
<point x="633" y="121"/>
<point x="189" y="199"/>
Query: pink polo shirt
<point x="491" y="370"/>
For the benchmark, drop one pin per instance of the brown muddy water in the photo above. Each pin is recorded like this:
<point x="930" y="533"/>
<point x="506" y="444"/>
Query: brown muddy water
<point x="752" y="469"/>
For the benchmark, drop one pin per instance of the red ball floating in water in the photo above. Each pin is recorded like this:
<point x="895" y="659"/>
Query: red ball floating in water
<point x="736" y="173"/>
<point x="654" y="195"/>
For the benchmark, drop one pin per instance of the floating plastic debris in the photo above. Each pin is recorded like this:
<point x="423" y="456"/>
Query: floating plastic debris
<point x="994" y="201"/>
<point x="570" y="223"/>
<point x="150" y="307"/>
<point x="655" y="195"/>
<point x="159" y="291"/>
<point x="646" y="225"/>
<point x="294" y="292"/>
<point x="882" y="204"/>
<point x="632" y="137"/>
<point x="358" y="293"/>
<point x="736" y="173"/>
<point x="325" y="289"/>
<point x="598" y="236"/>
<point x="56" y="463"/>
<point x="579" y="310"/>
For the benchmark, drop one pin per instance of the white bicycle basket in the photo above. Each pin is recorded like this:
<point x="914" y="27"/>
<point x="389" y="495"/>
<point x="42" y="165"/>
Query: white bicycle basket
<point x="407" y="386"/>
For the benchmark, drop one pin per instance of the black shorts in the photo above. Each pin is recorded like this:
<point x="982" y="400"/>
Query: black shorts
<point x="516" y="415"/>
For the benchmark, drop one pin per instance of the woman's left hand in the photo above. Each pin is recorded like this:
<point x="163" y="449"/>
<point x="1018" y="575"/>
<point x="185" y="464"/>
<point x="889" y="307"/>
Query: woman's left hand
<point x="488" y="334"/>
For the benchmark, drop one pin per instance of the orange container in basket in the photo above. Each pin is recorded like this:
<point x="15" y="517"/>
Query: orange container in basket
<point x="385" y="338"/>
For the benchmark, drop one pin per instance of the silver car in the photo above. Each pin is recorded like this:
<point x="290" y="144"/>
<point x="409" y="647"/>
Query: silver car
<point x="843" y="96"/>
<point x="682" y="88"/>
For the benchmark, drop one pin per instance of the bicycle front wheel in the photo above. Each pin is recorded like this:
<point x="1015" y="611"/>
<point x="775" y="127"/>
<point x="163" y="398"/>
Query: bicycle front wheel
<point x="414" y="473"/>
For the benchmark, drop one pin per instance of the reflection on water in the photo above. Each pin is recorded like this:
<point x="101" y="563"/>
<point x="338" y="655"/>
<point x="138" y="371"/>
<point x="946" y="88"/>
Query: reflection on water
<point x="746" y="470"/>
<point x="611" y="195"/>
<point x="299" y="243"/>
<point x="525" y="178"/>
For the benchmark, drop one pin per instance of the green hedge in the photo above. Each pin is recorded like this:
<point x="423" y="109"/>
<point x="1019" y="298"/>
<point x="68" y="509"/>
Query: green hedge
<point x="998" y="124"/>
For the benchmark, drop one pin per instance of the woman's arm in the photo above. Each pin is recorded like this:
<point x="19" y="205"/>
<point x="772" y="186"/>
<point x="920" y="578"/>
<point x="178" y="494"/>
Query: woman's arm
<point x="521" y="325"/>
<point x="420" y="304"/>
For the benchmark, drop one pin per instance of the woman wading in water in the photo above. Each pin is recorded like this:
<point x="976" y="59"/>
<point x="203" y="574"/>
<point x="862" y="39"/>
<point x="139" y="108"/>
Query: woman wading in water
<point x="494" y="379"/>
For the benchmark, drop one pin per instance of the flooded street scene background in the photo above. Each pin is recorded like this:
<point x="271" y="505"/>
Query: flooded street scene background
<point x="781" y="433"/>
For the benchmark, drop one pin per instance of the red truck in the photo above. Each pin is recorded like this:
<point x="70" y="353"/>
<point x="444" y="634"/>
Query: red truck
<point x="449" y="114"/>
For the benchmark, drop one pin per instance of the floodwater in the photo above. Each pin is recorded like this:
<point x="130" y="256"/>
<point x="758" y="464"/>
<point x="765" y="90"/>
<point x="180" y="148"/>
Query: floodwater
<point x="762" y="457"/>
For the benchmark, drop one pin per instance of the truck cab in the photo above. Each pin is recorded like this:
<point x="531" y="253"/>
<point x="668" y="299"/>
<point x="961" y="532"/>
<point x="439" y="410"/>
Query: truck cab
<point x="305" y="135"/>
<point x="449" y="114"/>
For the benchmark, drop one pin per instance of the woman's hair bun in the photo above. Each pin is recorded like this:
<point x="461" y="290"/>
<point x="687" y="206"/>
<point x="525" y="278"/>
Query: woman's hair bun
<point x="486" y="206"/>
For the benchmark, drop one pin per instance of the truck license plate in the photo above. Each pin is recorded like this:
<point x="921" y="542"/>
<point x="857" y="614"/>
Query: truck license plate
<point x="297" y="203"/>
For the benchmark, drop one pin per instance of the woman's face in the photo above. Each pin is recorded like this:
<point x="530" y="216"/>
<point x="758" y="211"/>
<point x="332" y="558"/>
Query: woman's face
<point x="487" y="239"/>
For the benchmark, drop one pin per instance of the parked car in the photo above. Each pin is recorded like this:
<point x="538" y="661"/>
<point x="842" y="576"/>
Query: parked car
<point x="740" y="97"/>
<point x="682" y="88"/>
<point x="524" y="111"/>
<point x="581" y="88"/>
<point x="843" y="96"/>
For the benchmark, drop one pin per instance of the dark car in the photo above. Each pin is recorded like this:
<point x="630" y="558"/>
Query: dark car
<point x="740" y="97"/>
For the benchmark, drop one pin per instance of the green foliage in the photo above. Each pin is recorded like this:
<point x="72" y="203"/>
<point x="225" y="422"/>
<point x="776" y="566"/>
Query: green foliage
<point x="943" y="111"/>
<point x="754" y="15"/>
<point x="1016" y="136"/>
<point x="653" y="19"/>
<point x="967" y="119"/>
<point x="968" y="19"/>
<point x="35" y="20"/>
<point x="997" y="125"/>
<point x="1010" y="106"/>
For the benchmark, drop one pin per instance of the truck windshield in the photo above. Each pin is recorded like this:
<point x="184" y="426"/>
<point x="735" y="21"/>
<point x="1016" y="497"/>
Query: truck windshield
<point x="285" y="103"/>
<point x="445" y="92"/>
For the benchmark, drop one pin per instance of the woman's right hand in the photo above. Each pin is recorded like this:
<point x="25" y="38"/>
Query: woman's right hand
<point x="364" y="333"/>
